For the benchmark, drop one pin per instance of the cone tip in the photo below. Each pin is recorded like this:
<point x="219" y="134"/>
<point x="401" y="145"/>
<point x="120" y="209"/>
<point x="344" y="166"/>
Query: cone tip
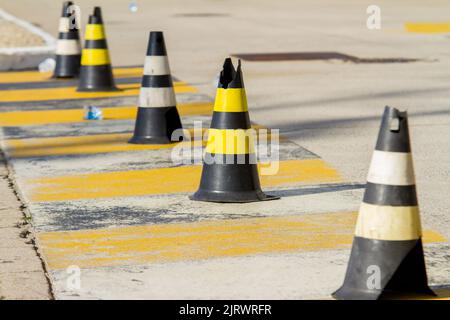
<point x="156" y="45"/>
<point x="229" y="77"/>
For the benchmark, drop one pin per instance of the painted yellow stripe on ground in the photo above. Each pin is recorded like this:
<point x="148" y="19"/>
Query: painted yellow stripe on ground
<point x="71" y="93"/>
<point x="36" y="76"/>
<point x="171" y="180"/>
<point x="101" y="143"/>
<point x="424" y="27"/>
<point x="28" y="118"/>
<point x="201" y="240"/>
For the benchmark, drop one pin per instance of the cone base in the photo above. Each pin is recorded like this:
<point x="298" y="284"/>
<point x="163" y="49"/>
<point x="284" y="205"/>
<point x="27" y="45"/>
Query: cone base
<point x="231" y="197"/>
<point x="401" y="273"/>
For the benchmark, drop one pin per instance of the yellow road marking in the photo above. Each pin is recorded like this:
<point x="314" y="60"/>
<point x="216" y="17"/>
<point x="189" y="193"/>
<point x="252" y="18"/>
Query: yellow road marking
<point x="170" y="180"/>
<point x="24" y="118"/>
<point x="71" y="93"/>
<point x="427" y="27"/>
<point x="99" y="143"/>
<point x="201" y="240"/>
<point x="36" y="76"/>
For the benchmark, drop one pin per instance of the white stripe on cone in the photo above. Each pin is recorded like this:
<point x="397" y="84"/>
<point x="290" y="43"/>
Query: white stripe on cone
<point x="388" y="222"/>
<point x="391" y="168"/>
<point x="156" y="66"/>
<point x="68" y="47"/>
<point x="156" y="97"/>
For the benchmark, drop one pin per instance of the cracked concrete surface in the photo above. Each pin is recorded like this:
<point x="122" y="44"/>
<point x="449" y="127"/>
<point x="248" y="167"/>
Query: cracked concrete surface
<point x="21" y="271"/>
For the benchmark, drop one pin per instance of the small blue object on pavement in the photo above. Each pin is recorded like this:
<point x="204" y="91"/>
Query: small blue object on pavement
<point x="92" y="113"/>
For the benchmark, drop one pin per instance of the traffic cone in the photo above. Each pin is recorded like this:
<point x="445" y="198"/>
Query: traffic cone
<point x="230" y="173"/>
<point x="68" y="49"/>
<point x="387" y="258"/>
<point x="157" y="117"/>
<point x="96" y="72"/>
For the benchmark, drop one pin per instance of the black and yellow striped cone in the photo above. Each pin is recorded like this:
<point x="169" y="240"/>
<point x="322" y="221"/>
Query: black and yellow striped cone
<point x="68" y="49"/>
<point x="96" y="72"/>
<point x="230" y="173"/>
<point x="157" y="117"/>
<point x="387" y="258"/>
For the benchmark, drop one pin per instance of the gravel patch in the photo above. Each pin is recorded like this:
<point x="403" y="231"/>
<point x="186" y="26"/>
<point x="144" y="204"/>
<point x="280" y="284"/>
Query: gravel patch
<point x="12" y="35"/>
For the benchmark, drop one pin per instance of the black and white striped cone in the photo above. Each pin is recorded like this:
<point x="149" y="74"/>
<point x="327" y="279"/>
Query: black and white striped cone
<point x="387" y="258"/>
<point x="68" y="48"/>
<point x="157" y="117"/>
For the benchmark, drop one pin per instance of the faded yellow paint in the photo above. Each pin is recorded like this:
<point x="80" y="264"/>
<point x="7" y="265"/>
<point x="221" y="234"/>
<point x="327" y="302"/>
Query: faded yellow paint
<point x="171" y="180"/>
<point x="89" y="144"/>
<point x="230" y="100"/>
<point x="27" y="118"/>
<point x="427" y="27"/>
<point x="100" y="143"/>
<point x="71" y="93"/>
<point x="201" y="240"/>
<point x="36" y="76"/>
